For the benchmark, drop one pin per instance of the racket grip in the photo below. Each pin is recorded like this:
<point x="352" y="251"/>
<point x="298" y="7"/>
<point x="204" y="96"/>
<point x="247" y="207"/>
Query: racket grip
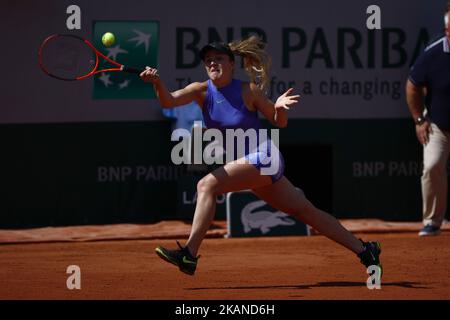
<point x="131" y="70"/>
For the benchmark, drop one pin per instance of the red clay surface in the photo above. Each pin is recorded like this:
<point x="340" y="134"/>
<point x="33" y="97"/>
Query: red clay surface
<point x="251" y="268"/>
<point x="174" y="230"/>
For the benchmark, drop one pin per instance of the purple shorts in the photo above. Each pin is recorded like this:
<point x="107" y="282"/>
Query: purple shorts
<point x="269" y="161"/>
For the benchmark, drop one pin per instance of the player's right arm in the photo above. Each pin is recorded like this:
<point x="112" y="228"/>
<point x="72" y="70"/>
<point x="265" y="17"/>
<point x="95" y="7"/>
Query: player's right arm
<point x="186" y="95"/>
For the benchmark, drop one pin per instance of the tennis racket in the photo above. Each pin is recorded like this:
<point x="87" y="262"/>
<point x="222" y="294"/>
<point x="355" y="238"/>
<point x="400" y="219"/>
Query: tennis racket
<point x="69" y="57"/>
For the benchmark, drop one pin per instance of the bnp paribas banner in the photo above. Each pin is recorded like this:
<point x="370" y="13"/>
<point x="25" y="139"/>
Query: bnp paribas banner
<point x="350" y="59"/>
<point x="136" y="44"/>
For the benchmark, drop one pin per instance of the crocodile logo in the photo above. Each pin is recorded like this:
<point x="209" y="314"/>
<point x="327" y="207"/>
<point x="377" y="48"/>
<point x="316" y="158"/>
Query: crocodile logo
<point x="263" y="220"/>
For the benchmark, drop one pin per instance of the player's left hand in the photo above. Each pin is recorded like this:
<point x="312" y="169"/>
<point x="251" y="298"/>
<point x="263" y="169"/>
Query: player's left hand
<point x="286" y="100"/>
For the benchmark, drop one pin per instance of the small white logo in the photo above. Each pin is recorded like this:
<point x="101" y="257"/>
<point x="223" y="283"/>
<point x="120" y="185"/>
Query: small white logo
<point x="263" y="220"/>
<point x="220" y="101"/>
<point x="374" y="281"/>
<point x="74" y="280"/>
<point x="74" y="20"/>
<point x="373" y="22"/>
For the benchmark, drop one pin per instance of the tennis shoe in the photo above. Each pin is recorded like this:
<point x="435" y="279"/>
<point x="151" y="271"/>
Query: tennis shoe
<point x="181" y="257"/>
<point x="371" y="255"/>
<point x="429" y="230"/>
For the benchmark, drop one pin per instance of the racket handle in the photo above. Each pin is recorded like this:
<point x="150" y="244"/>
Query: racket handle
<point x="131" y="70"/>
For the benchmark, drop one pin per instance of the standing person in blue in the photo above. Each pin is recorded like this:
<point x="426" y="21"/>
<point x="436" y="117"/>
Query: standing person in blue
<point x="431" y="73"/>
<point x="230" y="103"/>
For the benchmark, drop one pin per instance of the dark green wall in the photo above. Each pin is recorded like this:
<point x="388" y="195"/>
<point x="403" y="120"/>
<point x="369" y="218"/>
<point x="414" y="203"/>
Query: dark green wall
<point x="50" y="172"/>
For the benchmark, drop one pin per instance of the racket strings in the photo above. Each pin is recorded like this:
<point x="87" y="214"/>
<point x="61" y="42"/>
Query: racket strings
<point x="67" y="58"/>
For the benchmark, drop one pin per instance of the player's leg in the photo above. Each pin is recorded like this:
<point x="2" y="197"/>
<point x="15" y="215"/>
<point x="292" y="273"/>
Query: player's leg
<point x="283" y="196"/>
<point x="231" y="177"/>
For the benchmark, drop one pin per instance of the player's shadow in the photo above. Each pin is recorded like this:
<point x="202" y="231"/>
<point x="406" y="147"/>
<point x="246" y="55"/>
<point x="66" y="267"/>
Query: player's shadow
<point x="333" y="284"/>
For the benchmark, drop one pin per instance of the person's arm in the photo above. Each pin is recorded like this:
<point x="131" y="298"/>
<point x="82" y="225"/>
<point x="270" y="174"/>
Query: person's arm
<point x="188" y="94"/>
<point x="414" y="98"/>
<point x="276" y="112"/>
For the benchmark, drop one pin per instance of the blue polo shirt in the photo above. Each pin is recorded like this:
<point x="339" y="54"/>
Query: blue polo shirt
<point x="432" y="70"/>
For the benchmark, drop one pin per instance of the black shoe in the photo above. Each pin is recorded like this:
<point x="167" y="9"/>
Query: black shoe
<point x="371" y="255"/>
<point x="181" y="258"/>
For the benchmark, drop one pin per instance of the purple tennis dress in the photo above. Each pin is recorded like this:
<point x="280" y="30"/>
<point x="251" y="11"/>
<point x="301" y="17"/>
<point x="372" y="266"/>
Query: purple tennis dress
<point x="224" y="109"/>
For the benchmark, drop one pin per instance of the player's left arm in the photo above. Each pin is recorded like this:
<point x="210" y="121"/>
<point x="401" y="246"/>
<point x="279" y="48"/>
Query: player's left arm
<point x="276" y="112"/>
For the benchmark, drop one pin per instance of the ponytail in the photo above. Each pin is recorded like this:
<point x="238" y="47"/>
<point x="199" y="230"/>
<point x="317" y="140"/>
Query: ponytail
<point x="256" y="60"/>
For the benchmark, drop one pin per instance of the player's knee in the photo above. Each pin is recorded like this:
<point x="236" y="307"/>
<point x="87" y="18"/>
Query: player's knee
<point x="207" y="184"/>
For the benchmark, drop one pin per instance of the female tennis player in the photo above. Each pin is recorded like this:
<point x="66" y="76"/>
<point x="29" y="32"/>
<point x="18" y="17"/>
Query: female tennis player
<point x="228" y="103"/>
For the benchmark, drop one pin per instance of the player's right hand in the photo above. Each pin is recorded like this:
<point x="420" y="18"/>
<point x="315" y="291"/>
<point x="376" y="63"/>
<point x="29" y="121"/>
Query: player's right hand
<point x="423" y="132"/>
<point x="150" y="75"/>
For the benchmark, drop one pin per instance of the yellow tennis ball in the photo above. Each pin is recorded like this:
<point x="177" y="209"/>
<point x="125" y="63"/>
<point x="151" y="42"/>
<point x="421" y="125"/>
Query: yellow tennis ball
<point x="108" y="39"/>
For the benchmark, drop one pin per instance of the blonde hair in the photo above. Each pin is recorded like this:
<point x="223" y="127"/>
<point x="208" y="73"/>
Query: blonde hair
<point x="257" y="61"/>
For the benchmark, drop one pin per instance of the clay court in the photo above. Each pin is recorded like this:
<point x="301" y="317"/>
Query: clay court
<point x="33" y="265"/>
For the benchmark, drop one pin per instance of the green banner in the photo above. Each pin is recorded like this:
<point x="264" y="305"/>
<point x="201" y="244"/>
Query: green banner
<point x="136" y="45"/>
<point x="248" y="216"/>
